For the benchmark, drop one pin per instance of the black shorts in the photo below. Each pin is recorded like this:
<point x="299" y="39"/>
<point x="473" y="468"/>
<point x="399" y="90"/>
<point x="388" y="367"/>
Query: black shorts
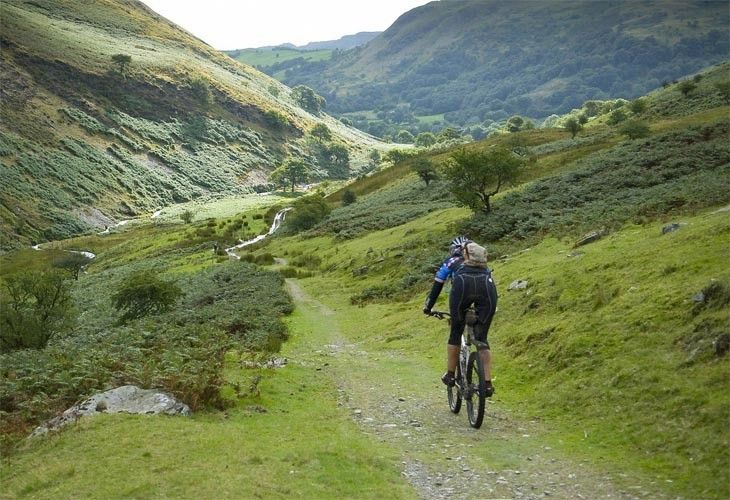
<point x="472" y="286"/>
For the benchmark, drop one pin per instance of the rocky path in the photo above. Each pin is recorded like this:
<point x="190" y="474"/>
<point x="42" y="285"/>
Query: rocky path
<point x="442" y="457"/>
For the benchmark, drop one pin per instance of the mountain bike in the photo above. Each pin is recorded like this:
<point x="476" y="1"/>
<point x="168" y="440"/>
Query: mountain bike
<point x="470" y="385"/>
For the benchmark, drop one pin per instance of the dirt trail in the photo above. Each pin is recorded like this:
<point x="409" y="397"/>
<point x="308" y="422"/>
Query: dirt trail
<point x="442" y="457"/>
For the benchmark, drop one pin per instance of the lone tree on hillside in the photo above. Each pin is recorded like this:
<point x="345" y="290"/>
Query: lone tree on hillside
<point x="321" y="132"/>
<point x="476" y="176"/>
<point x="348" y="197"/>
<point x="635" y="129"/>
<point x="572" y="126"/>
<point x="291" y="172"/>
<point x="425" y="169"/>
<point x="73" y="262"/>
<point x="143" y="293"/>
<point x="122" y="61"/>
<point x="686" y="87"/>
<point x="307" y="99"/>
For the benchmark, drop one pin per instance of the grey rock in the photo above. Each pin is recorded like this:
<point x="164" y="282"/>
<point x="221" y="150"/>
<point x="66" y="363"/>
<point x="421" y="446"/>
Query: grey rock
<point x="671" y="227"/>
<point x="518" y="285"/>
<point x="589" y="238"/>
<point x="124" y="399"/>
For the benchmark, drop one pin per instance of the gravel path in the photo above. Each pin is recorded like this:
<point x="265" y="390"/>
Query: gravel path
<point x="442" y="457"/>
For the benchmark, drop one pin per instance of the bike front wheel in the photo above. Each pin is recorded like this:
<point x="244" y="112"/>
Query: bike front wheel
<point x="476" y="391"/>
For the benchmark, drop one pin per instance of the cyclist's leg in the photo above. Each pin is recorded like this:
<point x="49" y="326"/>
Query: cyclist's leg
<point x="486" y="306"/>
<point x="457" y="323"/>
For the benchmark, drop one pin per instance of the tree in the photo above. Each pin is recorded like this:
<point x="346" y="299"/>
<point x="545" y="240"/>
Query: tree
<point x="307" y="212"/>
<point x="34" y="307"/>
<point x="348" y="197"/>
<point x="398" y="155"/>
<point x="143" y="293"/>
<point x="582" y="118"/>
<point x="404" y="137"/>
<point x="635" y="129"/>
<point x="73" y="262"/>
<point x="291" y="172"/>
<point x="515" y="123"/>
<point x="637" y="106"/>
<point x="187" y="216"/>
<point x="308" y="100"/>
<point x="686" y="87"/>
<point x="448" y="134"/>
<point x="425" y="139"/>
<point x="201" y="91"/>
<point x="425" y="169"/>
<point x="572" y="126"/>
<point x="321" y="132"/>
<point x="723" y="88"/>
<point x="339" y="157"/>
<point x="616" y="117"/>
<point x="122" y="61"/>
<point x="476" y="176"/>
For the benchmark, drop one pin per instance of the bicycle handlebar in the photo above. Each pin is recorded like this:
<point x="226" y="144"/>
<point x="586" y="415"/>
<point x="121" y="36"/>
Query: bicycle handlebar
<point x="440" y="314"/>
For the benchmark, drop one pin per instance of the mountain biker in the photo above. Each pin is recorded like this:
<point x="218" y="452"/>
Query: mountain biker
<point x="471" y="283"/>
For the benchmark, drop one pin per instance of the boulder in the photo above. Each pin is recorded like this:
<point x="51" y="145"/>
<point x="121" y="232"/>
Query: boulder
<point x="589" y="238"/>
<point x="124" y="399"/>
<point x="517" y="285"/>
<point x="669" y="228"/>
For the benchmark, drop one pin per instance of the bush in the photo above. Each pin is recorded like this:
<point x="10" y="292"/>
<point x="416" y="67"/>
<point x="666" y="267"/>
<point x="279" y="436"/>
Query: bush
<point x="348" y="197"/>
<point x="187" y="216"/>
<point x="635" y="129"/>
<point x="143" y="293"/>
<point x="35" y="307"/>
<point x="307" y="212"/>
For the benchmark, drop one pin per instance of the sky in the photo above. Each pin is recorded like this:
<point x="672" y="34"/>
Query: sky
<point x="240" y="24"/>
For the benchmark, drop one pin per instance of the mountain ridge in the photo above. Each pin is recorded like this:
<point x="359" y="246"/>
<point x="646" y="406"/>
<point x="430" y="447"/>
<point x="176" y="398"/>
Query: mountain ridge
<point x="481" y="60"/>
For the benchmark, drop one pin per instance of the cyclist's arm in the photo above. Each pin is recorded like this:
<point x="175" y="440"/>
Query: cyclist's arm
<point x="438" y="284"/>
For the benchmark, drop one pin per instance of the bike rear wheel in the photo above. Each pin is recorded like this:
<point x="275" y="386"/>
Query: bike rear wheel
<point x="476" y="390"/>
<point x="454" y="394"/>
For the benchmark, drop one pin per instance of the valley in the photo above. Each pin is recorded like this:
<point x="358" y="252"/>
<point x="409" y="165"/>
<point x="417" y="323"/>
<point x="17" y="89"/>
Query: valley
<point x="266" y="264"/>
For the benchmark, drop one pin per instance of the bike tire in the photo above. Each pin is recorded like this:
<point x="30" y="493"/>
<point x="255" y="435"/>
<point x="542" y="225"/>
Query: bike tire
<point x="476" y="393"/>
<point x="454" y="394"/>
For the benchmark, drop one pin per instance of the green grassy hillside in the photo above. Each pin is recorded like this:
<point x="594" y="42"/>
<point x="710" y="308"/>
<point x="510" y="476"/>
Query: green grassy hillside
<point x="610" y="342"/>
<point x="481" y="61"/>
<point x="86" y="141"/>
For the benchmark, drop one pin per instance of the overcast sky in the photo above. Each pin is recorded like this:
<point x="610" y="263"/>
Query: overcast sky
<point x="240" y="24"/>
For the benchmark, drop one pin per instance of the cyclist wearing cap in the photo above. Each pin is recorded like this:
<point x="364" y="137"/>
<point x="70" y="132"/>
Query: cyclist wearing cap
<point x="472" y="284"/>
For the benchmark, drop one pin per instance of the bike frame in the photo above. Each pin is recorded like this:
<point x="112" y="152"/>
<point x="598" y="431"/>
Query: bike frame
<point x="468" y="359"/>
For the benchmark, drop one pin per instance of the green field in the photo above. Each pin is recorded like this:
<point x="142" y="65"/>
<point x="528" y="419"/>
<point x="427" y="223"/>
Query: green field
<point x="268" y="56"/>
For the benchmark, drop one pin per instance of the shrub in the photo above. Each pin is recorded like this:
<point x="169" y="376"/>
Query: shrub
<point x="143" y="293"/>
<point x="73" y="262"/>
<point x="308" y="211"/>
<point x="35" y="306"/>
<point x="635" y="129"/>
<point x="187" y="216"/>
<point x="348" y="197"/>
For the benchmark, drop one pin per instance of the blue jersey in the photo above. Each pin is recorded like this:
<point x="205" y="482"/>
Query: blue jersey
<point x="450" y="265"/>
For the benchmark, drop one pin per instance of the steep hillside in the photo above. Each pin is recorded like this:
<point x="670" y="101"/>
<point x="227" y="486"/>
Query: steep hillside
<point x="477" y="60"/>
<point x="109" y="111"/>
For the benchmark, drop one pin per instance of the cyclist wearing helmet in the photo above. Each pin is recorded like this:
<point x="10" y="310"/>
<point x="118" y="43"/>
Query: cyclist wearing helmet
<point x="471" y="283"/>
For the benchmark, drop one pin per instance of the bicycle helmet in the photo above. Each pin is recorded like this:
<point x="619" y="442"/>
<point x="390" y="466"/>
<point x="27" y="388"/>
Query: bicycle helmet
<point x="457" y="244"/>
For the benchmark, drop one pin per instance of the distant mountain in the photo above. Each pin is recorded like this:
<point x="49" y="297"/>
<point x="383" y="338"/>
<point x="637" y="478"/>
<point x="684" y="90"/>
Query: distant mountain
<point x="109" y="111"/>
<point x="344" y="43"/>
<point x="477" y="60"/>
